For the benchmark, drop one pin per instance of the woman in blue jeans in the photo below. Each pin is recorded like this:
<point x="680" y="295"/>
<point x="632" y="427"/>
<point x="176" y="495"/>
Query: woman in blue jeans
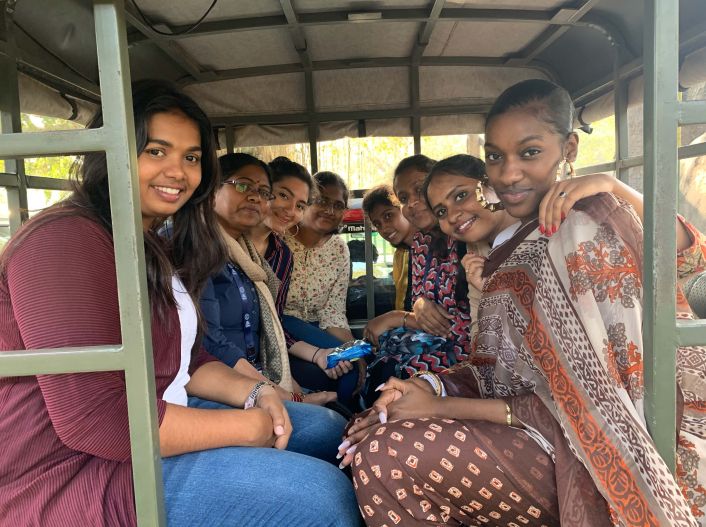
<point x="70" y="462"/>
<point x="315" y="313"/>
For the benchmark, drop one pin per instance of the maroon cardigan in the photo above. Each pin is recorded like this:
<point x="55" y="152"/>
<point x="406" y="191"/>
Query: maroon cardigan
<point x="65" y="440"/>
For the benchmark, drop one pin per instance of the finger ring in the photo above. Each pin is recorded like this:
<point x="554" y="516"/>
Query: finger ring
<point x="562" y="194"/>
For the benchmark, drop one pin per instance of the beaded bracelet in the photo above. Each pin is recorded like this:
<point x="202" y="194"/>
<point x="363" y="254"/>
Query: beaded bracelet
<point x="297" y="397"/>
<point x="254" y="393"/>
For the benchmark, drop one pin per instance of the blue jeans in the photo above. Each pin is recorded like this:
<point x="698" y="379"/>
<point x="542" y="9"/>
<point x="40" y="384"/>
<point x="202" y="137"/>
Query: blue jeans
<point x="309" y="375"/>
<point x="264" y="487"/>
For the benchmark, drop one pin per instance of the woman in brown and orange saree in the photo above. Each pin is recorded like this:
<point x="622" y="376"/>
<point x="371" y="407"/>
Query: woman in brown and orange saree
<point x="544" y="425"/>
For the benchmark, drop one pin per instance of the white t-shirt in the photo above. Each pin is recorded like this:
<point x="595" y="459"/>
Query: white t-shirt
<point x="176" y="391"/>
<point x="506" y="234"/>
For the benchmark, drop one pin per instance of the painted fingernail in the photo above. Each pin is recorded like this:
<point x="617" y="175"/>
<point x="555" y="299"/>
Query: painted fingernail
<point x="554" y="229"/>
<point x="379" y="387"/>
<point x="383" y="417"/>
<point x="339" y="455"/>
<point x="352" y="449"/>
<point x="279" y="430"/>
<point x="563" y="216"/>
<point x="341" y="466"/>
<point x="541" y="229"/>
<point x="344" y="445"/>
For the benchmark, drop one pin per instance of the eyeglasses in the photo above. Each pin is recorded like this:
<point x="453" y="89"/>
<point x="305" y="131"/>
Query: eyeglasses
<point x="327" y="204"/>
<point x="244" y="187"/>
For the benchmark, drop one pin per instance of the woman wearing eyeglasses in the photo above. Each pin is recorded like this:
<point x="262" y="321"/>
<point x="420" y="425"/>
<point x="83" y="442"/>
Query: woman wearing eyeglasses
<point x="243" y="326"/>
<point x="316" y="306"/>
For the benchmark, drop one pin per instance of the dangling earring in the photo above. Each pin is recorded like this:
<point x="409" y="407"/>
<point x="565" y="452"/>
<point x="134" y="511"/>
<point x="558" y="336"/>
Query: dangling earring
<point x="561" y="169"/>
<point x="480" y="198"/>
<point x="297" y="231"/>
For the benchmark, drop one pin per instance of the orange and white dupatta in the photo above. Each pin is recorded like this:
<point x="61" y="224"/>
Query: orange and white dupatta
<point x="561" y="317"/>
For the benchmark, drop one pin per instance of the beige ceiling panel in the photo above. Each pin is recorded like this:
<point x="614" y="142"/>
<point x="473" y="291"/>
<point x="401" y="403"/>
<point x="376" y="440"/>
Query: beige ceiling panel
<point x="355" y="6"/>
<point x="189" y="11"/>
<point x="361" y="40"/>
<point x="251" y="96"/>
<point x="242" y="49"/>
<point x="507" y="4"/>
<point x="337" y="129"/>
<point x="266" y="135"/>
<point x="452" y="124"/>
<point x="38" y="98"/>
<point x="400" y="127"/>
<point x="481" y="39"/>
<point x="361" y="89"/>
<point x="452" y="85"/>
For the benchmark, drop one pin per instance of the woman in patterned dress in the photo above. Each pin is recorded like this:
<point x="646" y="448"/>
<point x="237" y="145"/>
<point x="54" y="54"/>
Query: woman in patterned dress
<point x="545" y="424"/>
<point x="440" y="306"/>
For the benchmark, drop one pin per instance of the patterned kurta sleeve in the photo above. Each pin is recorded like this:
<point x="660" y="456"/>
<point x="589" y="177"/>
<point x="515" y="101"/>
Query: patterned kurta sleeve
<point x="333" y="313"/>
<point x="418" y="258"/>
<point x="692" y="260"/>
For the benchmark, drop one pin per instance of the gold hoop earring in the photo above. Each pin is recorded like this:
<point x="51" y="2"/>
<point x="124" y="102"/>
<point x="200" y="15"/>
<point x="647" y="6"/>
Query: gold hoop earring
<point x="572" y="172"/>
<point x="480" y="198"/>
<point x="297" y="231"/>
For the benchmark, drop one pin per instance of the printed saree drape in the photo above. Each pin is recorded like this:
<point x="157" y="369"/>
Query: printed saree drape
<point x="561" y="318"/>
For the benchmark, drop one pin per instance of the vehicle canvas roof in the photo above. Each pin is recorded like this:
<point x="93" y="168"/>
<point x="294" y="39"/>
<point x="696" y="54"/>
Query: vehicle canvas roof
<point x="269" y="68"/>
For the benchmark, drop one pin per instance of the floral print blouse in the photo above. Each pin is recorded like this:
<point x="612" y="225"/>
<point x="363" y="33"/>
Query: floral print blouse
<point x="319" y="282"/>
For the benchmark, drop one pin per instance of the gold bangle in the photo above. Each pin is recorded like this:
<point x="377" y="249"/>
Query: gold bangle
<point x="508" y="414"/>
<point x="404" y="319"/>
<point x="433" y="380"/>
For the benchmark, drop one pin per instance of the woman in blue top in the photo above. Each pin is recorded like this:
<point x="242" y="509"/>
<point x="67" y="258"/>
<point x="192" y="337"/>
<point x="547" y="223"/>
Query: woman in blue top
<point x="243" y="327"/>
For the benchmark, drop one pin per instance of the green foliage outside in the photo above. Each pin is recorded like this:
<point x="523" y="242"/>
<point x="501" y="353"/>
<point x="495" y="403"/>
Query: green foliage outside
<point x="52" y="167"/>
<point x="599" y="146"/>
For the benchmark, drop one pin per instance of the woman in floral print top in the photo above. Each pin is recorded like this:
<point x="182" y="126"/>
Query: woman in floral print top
<point x="316" y="306"/>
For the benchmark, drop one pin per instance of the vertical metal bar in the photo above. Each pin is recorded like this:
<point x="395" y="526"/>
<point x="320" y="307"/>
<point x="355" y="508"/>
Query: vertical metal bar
<point x="121" y="156"/>
<point x="11" y="122"/>
<point x="369" y="278"/>
<point x="230" y="139"/>
<point x="313" y="125"/>
<point x="414" y="104"/>
<point x="620" y="100"/>
<point x="660" y="145"/>
<point x="313" y="131"/>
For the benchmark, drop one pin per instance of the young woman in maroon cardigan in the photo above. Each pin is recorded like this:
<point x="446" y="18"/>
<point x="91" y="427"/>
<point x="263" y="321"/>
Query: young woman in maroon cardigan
<point x="65" y="438"/>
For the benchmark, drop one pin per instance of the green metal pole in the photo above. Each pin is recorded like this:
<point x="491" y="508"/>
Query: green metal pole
<point x="661" y="107"/>
<point x="620" y="99"/>
<point x="121" y="156"/>
<point x="11" y="122"/>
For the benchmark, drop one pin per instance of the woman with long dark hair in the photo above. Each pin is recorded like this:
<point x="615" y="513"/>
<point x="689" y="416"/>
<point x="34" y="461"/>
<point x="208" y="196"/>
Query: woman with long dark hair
<point x="66" y="442"/>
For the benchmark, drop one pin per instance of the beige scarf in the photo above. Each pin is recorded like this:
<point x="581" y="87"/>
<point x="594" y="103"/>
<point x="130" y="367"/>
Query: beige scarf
<point x="273" y="346"/>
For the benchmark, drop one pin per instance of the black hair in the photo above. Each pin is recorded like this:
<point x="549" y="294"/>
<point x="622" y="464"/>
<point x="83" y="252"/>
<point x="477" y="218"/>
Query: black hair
<point x="326" y="179"/>
<point x="552" y="103"/>
<point x="418" y="162"/>
<point x="380" y="195"/>
<point x="193" y="249"/>
<point x="231" y="163"/>
<point x="460" y="165"/>
<point x="282" y="167"/>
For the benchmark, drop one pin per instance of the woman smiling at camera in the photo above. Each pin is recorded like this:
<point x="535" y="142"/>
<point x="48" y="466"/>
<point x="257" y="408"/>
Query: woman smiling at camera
<point x="545" y="424"/>
<point x="69" y="463"/>
<point x="315" y="314"/>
